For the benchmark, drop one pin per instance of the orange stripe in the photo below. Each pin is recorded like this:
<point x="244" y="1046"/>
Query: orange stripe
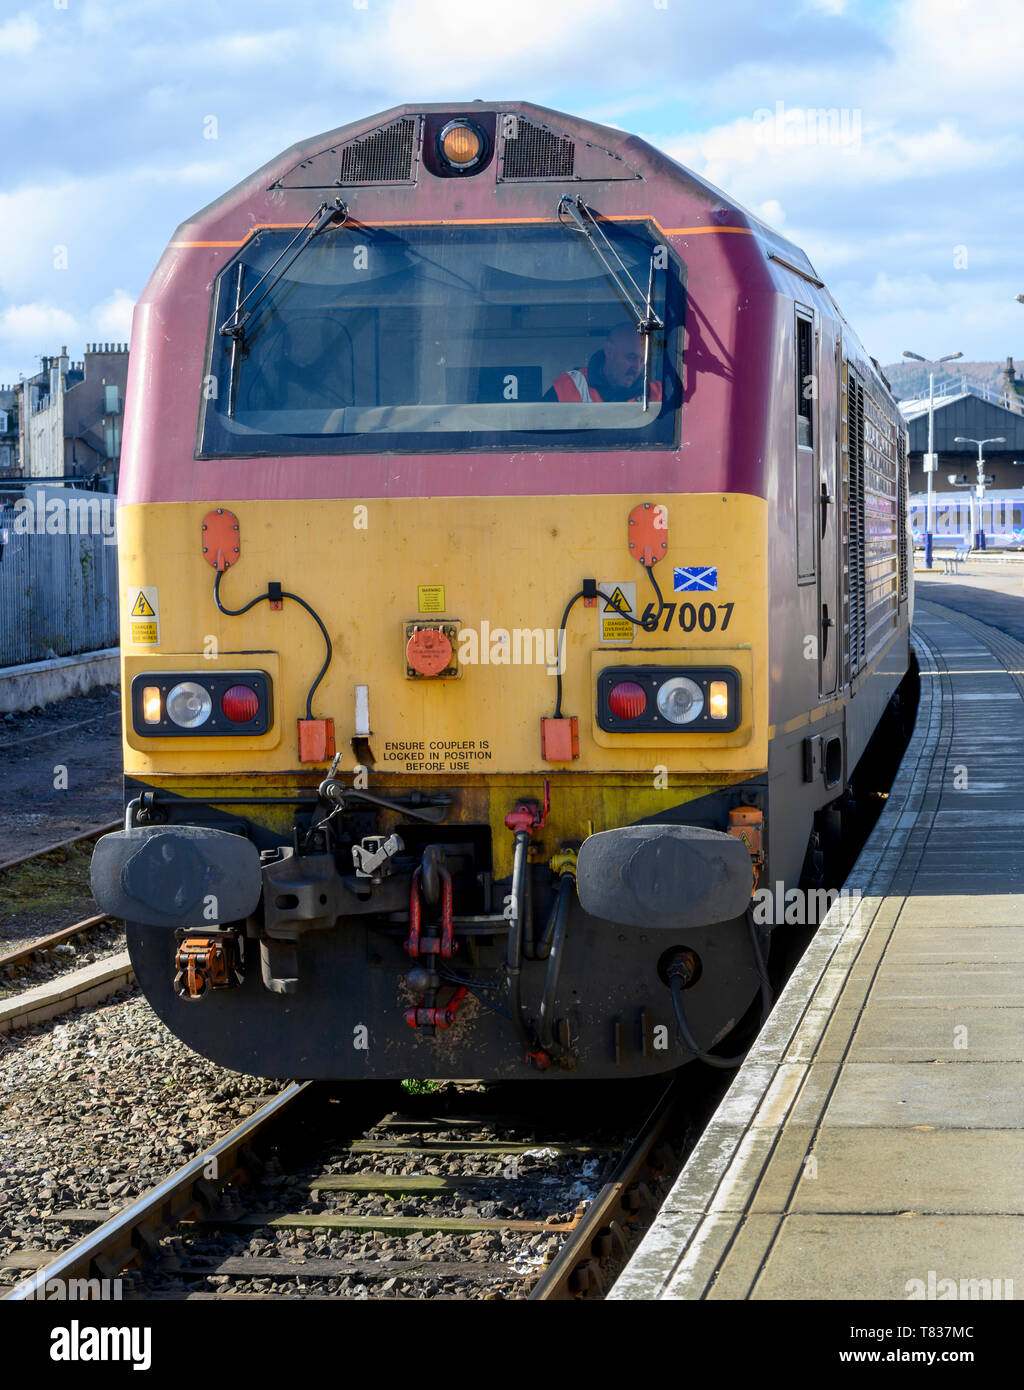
<point x="473" y="222"/>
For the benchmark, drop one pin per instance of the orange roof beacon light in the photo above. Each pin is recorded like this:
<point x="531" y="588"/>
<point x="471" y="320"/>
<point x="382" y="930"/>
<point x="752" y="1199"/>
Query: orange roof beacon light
<point x="462" y="144"/>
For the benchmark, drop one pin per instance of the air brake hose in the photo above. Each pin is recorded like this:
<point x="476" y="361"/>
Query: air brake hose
<point x="679" y="975"/>
<point x="552" y="946"/>
<point x="514" y="951"/>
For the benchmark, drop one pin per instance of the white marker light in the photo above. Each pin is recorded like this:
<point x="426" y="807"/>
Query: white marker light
<point x="189" y="705"/>
<point x="680" y="700"/>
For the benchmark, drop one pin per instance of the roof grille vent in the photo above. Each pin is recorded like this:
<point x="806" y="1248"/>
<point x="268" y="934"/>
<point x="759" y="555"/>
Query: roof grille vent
<point x="385" y="156"/>
<point x="531" y="152"/>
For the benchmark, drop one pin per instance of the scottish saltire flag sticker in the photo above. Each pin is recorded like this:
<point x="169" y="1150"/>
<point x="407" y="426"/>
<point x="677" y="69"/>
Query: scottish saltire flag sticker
<point x="687" y="578"/>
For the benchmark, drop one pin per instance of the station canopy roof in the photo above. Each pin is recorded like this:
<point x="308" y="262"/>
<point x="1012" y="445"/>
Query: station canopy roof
<point x="968" y="414"/>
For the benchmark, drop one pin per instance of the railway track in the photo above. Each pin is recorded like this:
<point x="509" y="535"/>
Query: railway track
<point x="538" y="1218"/>
<point x="55" y="960"/>
<point x="92" y="834"/>
<point x="11" y="962"/>
<point x="19" y="742"/>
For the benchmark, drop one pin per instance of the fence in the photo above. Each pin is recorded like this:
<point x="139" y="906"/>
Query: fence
<point x="58" y="575"/>
<point x="956" y="385"/>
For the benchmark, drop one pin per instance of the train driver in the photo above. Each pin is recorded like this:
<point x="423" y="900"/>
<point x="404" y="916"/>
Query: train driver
<point x="614" y="372"/>
<point x="308" y="366"/>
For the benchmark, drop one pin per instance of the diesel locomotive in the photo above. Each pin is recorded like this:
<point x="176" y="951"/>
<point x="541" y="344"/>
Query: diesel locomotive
<point x="513" y="540"/>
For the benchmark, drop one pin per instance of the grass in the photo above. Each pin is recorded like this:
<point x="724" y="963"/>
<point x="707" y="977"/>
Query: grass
<point x="413" y="1087"/>
<point x="46" y="884"/>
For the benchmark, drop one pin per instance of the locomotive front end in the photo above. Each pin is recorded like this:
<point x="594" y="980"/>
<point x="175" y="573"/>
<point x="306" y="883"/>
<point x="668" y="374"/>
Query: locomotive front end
<point x="445" y="553"/>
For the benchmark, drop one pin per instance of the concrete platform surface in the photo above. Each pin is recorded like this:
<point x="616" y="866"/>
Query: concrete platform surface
<point x="872" y="1144"/>
<point x="73" y="990"/>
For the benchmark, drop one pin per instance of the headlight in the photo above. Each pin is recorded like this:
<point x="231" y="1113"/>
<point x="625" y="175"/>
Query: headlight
<point x="200" y="704"/>
<point x="670" y="700"/>
<point x="681" y="700"/>
<point x="189" y="705"/>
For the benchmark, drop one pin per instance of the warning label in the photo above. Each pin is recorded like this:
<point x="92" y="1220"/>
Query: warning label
<point x="618" y="601"/>
<point x="144" y="616"/>
<point x="431" y="598"/>
<point x="439" y="754"/>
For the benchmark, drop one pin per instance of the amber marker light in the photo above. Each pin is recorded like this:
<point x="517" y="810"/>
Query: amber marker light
<point x="151" y="704"/>
<point x="718" y="700"/>
<point x="461" y="144"/>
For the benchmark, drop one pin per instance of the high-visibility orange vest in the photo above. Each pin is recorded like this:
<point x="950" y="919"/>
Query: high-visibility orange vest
<point x="574" y="386"/>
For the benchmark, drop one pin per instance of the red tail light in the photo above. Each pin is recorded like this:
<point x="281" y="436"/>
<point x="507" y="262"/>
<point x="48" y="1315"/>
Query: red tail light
<point x="240" y="703"/>
<point x="627" y="700"/>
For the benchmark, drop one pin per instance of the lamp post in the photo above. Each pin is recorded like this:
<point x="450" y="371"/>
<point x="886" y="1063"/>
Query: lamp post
<point x="931" y="462"/>
<point x="979" y="535"/>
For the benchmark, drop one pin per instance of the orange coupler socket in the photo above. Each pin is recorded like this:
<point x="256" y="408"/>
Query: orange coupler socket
<point x="428" y="652"/>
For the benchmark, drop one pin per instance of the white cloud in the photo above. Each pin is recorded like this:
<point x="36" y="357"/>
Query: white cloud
<point x="19" y="36"/>
<point x="771" y="212"/>
<point x="257" y="48"/>
<point x="36" y="327"/>
<point x="113" y="318"/>
<point x="442" y="45"/>
<point x="752" y="160"/>
<point x="935" y="85"/>
<point x="964" y="314"/>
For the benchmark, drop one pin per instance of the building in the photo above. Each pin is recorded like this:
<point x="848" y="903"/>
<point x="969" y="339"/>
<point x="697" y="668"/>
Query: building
<point x="70" y="415"/>
<point x="1012" y="388"/>
<point x="972" y="412"/>
<point x="8" y="432"/>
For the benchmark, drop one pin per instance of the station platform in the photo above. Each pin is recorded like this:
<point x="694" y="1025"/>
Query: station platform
<point x="872" y="1144"/>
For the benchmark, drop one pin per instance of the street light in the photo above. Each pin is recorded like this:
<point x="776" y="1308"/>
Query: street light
<point x="979" y="535"/>
<point x="931" y="462"/>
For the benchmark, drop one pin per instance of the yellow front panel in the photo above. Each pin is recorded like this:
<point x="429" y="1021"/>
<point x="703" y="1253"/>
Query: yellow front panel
<point x="504" y="564"/>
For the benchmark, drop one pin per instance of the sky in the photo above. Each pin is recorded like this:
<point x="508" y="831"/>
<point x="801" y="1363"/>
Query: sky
<point x="909" y="200"/>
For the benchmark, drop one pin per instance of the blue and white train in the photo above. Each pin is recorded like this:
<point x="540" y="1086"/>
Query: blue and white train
<point x="957" y="519"/>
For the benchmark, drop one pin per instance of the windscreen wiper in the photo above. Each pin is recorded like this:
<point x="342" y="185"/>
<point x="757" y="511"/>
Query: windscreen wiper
<point x="238" y="321"/>
<point x="641" y="306"/>
<point x="235" y="324"/>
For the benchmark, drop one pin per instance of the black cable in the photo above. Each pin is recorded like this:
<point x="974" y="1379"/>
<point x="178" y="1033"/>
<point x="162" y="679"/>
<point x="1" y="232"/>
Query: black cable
<point x="453" y="977"/>
<point x="475" y="987"/>
<point x="237" y="613"/>
<point x="650" y="626"/>
<point x="676" y="986"/>
<point x="561" y="629"/>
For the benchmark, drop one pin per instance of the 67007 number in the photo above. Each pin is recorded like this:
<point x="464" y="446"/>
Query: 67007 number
<point x="689" y="616"/>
